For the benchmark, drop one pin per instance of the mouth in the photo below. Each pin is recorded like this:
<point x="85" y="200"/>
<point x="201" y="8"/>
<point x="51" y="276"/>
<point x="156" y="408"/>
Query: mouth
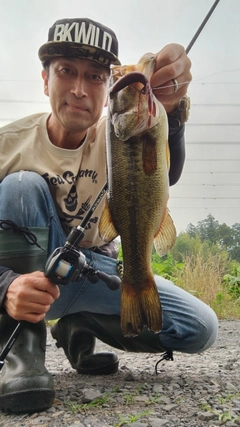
<point x="77" y="108"/>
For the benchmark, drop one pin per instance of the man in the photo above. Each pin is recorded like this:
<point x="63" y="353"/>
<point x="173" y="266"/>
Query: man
<point x="52" y="168"/>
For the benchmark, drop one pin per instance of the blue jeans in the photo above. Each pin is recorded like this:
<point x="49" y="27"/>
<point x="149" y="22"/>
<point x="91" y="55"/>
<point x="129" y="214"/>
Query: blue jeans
<point x="189" y="325"/>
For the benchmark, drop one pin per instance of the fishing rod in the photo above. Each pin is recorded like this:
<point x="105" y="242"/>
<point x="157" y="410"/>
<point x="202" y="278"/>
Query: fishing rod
<point x="196" y="35"/>
<point x="10" y="343"/>
<point x="202" y="26"/>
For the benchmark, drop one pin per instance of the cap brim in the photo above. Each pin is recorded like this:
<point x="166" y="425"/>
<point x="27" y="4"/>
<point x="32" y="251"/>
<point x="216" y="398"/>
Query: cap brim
<point x="52" y="50"/>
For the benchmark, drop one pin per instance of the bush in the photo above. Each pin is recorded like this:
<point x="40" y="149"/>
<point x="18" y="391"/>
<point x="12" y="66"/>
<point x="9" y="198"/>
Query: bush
<point x="232" y="282"/>
<point x="165" y="266"/>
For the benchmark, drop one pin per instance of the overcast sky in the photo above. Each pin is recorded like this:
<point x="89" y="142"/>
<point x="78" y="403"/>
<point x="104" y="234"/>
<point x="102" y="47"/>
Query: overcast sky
<point x="211" y="179"/>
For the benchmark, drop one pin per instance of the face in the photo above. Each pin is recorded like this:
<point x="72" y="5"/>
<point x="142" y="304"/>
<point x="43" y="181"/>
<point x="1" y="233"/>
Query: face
<point x="77" y="90"/>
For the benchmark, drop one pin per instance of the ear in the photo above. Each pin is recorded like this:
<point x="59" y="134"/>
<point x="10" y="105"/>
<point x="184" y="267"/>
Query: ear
<point x="45" y="81"/>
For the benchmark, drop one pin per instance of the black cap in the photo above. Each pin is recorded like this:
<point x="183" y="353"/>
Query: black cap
<point x="81" y="38"/>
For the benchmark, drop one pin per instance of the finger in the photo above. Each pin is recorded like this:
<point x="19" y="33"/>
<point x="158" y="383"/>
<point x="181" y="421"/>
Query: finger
<point x="42" y="294"/>
<point x="53" y="290"/>
<point x="42" y="283"/>
<point x="170" y="102"/>
<point x="179" y="69"/>
<point x="31" y="317"/>
<point x="40" y="298"/>
<point x="30" y="307"/>
<point x="168" y="55"/>
<point x="165" y="76"/>
<point x="171" y="88"/>
<point x="165" y="70"/>
<point x="35" y="300"/>
<point x="30" y="312"/>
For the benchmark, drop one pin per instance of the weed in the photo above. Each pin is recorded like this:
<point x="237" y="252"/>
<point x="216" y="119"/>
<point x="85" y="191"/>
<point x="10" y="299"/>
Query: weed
<point x="202" y="277"/>
<point x="155" y="399"/>
<point x="140" y="388"/>
<point x="232" y="282"/>
<point x="205" y="407"/>
<point x="130" y="418"/>
<point x="129" y="399"/>
<point x="228" y="398"/>
<point x="95" y="403"/>
<point x="225" y="416"/>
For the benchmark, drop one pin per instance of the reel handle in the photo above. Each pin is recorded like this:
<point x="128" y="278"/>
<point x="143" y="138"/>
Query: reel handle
<point x="112" y="282"/>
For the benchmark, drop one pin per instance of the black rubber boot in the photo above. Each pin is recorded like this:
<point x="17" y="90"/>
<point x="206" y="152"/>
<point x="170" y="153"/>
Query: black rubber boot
<point x="76" y="334"/>
<point x="78" y="342"/>
<point x="107" y="328"/>
<point x="25" y="384"/>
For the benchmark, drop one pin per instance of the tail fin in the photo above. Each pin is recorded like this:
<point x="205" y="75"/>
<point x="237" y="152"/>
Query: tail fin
<point x="139" y="308"/>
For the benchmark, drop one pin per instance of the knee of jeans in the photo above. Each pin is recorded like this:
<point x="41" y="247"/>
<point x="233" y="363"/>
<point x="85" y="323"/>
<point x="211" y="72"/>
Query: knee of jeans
<point x="191" y="333"/>
<point x="24" y="198"/>
<point x="22" y="183"/>
<point x="211" y="331"/>
<point x="205" y="333"/>
<point x="24" y="178"/>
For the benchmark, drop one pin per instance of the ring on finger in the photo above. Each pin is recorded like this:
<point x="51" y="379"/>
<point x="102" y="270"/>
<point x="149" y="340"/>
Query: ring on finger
<point x="175" y="85"/>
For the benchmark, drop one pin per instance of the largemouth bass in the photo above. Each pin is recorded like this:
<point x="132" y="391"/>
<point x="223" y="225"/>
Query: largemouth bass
<point x="138" y="190"/>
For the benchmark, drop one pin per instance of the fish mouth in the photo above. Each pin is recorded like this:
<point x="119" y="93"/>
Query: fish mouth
<point x="127" y="80"/>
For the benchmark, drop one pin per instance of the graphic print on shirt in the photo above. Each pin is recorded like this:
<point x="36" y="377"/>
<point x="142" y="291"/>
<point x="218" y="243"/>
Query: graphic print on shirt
<point x="71" y="203"/>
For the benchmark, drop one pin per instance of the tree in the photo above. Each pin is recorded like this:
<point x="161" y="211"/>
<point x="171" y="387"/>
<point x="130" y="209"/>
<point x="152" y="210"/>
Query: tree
<point x="225" y="236"/>
<point x="192" y="230"/>
<point x="185" y="245"/>
<point x="235" y="249"/>
<point x="209" y="230"/>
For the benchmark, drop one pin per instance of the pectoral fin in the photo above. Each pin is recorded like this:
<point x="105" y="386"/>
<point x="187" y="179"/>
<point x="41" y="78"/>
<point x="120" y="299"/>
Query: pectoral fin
<point x="166" y="236"/>
<point x="106" y="227"/>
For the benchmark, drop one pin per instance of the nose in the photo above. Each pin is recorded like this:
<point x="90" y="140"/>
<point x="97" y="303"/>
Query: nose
<point x="79" y="88"/>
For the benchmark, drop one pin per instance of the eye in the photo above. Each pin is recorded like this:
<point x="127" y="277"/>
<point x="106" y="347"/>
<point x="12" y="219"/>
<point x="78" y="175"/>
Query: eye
<point x="96" y="77"/>
<point x="65" y="70"/>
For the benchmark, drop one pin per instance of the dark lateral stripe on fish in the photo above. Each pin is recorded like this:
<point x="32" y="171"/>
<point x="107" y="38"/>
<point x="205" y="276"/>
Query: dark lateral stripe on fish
<point x="128" y="79"/>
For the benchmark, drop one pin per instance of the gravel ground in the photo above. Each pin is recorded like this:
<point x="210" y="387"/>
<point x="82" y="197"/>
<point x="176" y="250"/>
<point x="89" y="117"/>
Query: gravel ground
<point x="193" y="390"/>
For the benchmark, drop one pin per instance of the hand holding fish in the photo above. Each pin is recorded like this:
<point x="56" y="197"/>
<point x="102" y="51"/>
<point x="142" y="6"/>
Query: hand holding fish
<point x="172" y="75"/>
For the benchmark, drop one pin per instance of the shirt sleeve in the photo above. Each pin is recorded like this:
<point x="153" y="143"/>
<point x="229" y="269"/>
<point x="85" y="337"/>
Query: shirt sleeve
<point x="6" y="278"/>
<point x="176" y="143"/>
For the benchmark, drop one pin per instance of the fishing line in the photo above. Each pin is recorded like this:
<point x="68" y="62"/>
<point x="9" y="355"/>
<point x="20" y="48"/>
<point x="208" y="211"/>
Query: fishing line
<point x="197" y="80"/>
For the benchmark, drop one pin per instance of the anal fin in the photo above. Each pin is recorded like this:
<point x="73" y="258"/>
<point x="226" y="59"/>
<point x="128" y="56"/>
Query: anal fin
<point x="107" y="230"/>
<point x="166" y="236"/>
